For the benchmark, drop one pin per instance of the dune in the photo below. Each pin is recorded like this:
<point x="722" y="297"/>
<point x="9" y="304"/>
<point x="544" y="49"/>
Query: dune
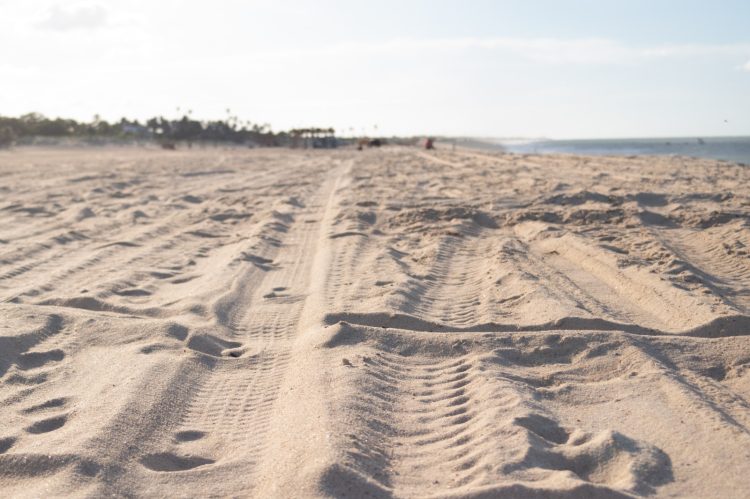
<point x="379" y="323"/>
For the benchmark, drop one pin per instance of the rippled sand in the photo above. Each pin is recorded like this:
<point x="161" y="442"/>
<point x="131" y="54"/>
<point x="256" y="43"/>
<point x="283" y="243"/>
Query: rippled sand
<point x="392" y="322"/>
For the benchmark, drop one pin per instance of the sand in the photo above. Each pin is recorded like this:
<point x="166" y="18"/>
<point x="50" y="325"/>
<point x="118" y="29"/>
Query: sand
<point x="278" y="323"/>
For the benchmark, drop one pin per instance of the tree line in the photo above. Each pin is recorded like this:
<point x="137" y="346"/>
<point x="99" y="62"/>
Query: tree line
<point x="24" y="129"/>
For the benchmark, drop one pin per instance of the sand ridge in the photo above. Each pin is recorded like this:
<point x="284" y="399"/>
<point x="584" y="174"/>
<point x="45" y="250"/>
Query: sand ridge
<point x="377" y="323"/>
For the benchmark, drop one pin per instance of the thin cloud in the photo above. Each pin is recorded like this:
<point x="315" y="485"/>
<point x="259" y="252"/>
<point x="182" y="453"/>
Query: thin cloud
<point x="695" y="50"/>
<point x="547" y="50"/>
<point x="84" y="17"/>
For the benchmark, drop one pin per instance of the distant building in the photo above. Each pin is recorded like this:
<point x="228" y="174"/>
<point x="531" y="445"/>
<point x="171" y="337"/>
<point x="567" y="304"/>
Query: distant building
<point x="136" y="130"/>
<point x="316" y="138"/>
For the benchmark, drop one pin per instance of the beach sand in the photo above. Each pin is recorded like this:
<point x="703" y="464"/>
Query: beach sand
<point x="280" y="323"/>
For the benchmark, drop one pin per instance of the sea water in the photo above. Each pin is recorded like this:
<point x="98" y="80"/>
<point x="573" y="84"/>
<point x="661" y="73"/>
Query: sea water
<point x="735" y="149"/>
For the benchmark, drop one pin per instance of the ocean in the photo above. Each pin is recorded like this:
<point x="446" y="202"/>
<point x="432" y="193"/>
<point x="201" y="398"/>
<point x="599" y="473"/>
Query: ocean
<point x="734" y="149"/>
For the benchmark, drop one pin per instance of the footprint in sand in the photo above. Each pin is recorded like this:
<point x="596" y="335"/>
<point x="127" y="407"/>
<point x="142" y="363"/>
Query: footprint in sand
<point x="189" y="435"/>
<point x="55" y="403"/>
<point x="6" y="443"/>
<point x="47" y="425"/>
<point x="167" y="462"/>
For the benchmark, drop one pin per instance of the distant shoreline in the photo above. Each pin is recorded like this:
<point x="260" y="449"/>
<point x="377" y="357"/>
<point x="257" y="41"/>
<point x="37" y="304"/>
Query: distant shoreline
<point x="733" y="149"/>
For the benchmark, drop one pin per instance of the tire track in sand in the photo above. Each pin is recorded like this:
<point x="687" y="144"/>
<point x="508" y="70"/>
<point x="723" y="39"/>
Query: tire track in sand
<point x="231" y="412"/>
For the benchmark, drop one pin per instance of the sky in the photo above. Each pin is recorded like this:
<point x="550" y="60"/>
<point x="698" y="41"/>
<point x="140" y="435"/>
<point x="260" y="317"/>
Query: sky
<point x="502" y="68"/>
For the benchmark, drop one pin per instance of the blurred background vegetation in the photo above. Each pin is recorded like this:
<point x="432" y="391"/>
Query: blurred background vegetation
<point x="35" y="128"/>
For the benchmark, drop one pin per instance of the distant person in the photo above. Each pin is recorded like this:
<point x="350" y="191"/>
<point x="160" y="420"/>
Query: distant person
<point x="429" y="143"/>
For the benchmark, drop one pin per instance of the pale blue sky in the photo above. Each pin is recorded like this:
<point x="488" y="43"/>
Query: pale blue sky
<point x="560" y="69"/>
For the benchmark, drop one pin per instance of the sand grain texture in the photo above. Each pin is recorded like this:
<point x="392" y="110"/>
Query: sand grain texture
<point x="277" y="323"/>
